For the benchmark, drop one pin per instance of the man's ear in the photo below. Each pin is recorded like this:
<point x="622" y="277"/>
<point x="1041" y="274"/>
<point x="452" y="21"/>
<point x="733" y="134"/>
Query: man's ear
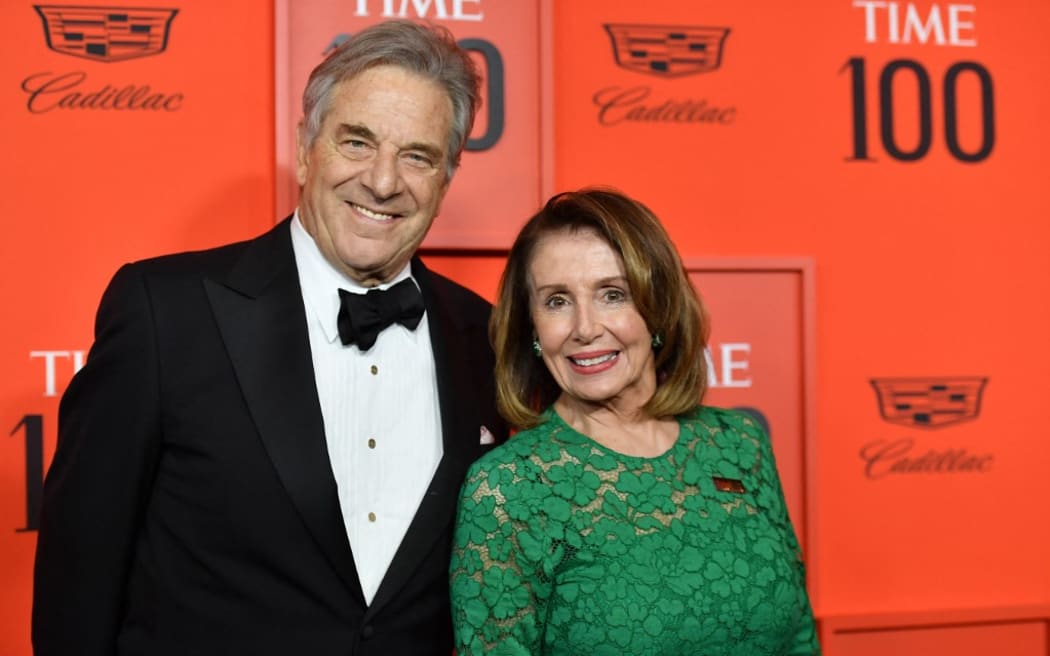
<point x="441" y="198"/>
<point x="302" y="154"/>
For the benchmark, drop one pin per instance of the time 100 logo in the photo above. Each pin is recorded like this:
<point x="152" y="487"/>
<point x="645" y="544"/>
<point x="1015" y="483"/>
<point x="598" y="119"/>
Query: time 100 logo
<point x="888" y="114"/>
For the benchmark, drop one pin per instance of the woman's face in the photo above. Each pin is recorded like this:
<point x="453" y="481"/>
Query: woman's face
<point x="594" y="341"/>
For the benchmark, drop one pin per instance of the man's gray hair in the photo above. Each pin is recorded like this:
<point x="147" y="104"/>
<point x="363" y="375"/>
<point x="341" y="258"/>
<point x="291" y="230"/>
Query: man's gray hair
<point x="426" y="50"/>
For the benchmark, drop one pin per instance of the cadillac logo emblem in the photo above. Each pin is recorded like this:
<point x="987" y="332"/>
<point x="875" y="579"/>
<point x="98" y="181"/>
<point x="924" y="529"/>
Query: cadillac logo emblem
<point x="929" y="402"/>
<point x="667" y="50"/>
<point x="106" y="34"/>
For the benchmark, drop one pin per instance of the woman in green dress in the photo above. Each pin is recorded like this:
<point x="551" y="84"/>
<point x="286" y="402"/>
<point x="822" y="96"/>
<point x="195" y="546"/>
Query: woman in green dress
<point x="624" y="517"/>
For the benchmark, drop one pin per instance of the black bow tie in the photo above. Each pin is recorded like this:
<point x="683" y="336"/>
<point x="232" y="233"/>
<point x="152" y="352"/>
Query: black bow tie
<point x="363" y="316"/>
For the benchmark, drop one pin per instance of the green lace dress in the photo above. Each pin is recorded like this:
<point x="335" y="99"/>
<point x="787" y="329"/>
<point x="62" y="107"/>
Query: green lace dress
<point x="565" y="547"/>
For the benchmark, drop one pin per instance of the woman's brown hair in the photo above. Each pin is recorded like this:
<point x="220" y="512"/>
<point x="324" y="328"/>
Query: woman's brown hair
<point x="659" y="287"/>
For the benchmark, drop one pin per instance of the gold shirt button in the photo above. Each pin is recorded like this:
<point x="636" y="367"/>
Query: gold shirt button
<point x="375" y="370"/>
<point x="371" y="443"/>
<point x="371" y="517"/>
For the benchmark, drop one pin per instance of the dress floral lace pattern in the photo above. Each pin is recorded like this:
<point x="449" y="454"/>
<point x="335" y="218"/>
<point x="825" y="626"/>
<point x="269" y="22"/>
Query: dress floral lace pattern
<point x="565" y="547"/>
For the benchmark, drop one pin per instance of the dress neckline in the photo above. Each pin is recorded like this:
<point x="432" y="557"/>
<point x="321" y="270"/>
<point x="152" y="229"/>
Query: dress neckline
<point x="552" y="415"/>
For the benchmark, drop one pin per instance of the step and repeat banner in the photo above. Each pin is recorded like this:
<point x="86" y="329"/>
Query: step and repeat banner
<point x="131" y="130"/>
<point x="903" y="147"/>
<point x="858" y="188"/>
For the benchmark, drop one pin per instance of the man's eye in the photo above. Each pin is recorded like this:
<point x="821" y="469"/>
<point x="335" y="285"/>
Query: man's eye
<point x="419" y="159"/>
<point x="354" y="147"/>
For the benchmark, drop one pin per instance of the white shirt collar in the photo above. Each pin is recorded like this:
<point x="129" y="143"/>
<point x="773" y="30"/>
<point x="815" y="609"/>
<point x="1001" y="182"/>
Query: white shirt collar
<point x="320" y="281"/>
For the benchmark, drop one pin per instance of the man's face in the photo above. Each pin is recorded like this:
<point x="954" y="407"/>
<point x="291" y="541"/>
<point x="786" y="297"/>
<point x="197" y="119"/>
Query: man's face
<point x="374" y="177"/>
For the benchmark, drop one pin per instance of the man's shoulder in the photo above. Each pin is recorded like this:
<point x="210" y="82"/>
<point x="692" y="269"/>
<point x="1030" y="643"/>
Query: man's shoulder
<point x="190" y="261"/>
<point x="208" y="261"/>
<point x="451" y="291"/>
<point x="455" y="289"/>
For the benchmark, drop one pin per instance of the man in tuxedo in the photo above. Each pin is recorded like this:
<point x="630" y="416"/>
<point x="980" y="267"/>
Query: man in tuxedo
<point x="263" y="452"/>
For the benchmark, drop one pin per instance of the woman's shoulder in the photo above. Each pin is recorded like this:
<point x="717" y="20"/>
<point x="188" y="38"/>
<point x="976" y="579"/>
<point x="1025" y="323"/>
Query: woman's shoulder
<point x="516" y="471"/>
<point x="739" y="433"/>
<point x="523" y="445"/>
<point x="741" y="422"/>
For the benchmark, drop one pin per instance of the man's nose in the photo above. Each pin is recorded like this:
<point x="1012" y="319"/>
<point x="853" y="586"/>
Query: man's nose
<point x="383" y="177"/>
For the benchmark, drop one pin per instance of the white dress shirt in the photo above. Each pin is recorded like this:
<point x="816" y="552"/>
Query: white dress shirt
<point x="381" y="417"/>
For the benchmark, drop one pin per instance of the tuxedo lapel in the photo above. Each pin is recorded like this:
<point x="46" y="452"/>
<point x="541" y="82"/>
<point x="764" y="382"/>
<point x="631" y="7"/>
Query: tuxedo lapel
<point x="259" y="310"/>
<point x="450" y="340"/>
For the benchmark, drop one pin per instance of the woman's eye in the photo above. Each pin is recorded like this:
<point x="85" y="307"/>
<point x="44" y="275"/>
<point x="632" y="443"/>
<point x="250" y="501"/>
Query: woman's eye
<point x="615" y="295"/>
<point x="555" y="302"/>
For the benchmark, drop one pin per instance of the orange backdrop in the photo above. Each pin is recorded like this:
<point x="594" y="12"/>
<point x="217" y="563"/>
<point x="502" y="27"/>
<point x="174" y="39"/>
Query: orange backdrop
<point x="896" y="149"/>
<point x="89" y="187"/>
<point x="926" y="266"/>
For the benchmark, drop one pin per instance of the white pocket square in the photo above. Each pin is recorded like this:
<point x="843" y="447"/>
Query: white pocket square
<point x="486" y="436"/>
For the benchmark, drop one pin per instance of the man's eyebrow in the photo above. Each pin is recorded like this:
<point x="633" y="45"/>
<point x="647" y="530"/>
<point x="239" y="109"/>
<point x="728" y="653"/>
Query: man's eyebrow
<point x="355" y="129"/>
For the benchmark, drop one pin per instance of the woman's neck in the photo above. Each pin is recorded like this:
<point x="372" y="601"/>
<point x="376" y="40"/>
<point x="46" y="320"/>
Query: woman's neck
<point x="627" y="430"/>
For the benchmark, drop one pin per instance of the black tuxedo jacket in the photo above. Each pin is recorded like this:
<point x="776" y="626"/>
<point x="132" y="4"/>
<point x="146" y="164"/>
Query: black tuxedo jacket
<point x="191" y="507"/>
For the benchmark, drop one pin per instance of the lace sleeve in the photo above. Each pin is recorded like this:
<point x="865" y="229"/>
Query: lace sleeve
<point x="771" y="496"/>
<point x="499" y="592"/>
